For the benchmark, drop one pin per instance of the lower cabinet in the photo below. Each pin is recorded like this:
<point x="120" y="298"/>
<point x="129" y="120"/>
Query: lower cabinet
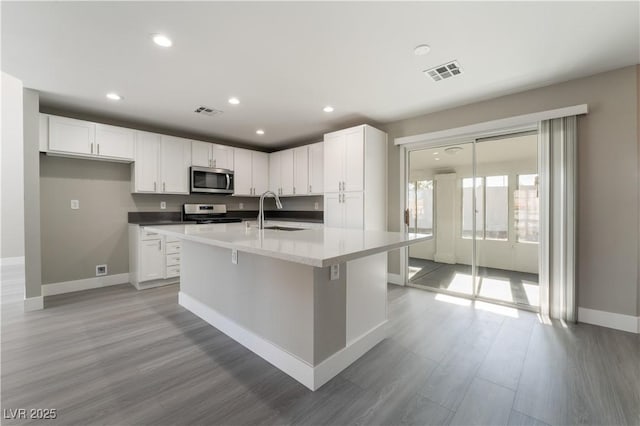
<point x="154" y="260"/>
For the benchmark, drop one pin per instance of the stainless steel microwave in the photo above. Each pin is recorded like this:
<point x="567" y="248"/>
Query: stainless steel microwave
<point x="212" y="181"/>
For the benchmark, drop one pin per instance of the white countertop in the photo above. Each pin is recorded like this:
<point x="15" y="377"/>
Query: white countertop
<point x="315" y="247"/>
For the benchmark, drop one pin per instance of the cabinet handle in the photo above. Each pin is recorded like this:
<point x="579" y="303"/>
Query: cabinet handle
<point x="98" y="149"/>
<point x="92" y="147"/>
<point x="209" y="162"/>
<point x="310" y="189"/>
<point x="294" y="190"/>
<point x="164" y="186"/>
<point x="214" y="163"/>
<point x="154" y="186"/>
<point x="159" y="244"/>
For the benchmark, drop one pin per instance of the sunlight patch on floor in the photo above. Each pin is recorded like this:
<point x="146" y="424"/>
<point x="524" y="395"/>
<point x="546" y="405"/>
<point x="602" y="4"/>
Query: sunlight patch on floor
<point x="533" y="292"/>
<point x="496" y="309"/>
<point x="454" y="300"/>
<point x="496" y="288"/>
<point x="461" y="283"/>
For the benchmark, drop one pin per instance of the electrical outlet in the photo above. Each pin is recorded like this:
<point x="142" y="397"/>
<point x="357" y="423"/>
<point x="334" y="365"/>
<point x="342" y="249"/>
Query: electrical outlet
<point x="335" y="272"/>
<point x="75" y="204"/>
<point x="101" y="270"/>
<point x="241" y="206"/>
<point x="163" y="205"/>
<point x="316" y="206"/>
<point x="234" y="256"/>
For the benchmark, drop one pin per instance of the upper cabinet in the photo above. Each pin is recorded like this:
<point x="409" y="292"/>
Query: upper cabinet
<point x="316" y="168"/>
<point x="251" y="172"/>
<point x="281" y="172"/>
<point x="344" y="160"/>
<point x="205" y="154"/>
<point x="301" y="170"/>
<point x="71" y="137"/>
<point x="161" y="164"/>
<point x="297" y="171"/>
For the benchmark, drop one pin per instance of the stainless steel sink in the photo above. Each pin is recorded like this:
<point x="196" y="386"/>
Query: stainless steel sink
<point x="283" y="228"/>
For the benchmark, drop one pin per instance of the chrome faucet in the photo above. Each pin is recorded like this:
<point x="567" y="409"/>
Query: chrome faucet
<point x="261" y="212"/>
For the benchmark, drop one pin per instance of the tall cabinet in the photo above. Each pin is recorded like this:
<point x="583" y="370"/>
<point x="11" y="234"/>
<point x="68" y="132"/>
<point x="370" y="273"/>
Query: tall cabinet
<point x="355" y="178"/>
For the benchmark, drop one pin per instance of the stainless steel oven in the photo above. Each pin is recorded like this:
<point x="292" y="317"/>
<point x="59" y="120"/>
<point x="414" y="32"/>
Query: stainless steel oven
<point x="212" y="181"/>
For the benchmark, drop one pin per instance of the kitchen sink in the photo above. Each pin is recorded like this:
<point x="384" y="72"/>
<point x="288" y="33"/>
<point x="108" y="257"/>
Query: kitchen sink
<point x="283" y="228"/>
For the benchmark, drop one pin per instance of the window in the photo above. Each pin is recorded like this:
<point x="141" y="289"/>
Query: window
<point x="421" y="206"/>
<point x="492" y="207"/>
<point x="527" y="209"/>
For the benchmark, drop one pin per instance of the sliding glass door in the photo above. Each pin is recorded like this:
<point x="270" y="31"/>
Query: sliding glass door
<point x="478" y="201"/>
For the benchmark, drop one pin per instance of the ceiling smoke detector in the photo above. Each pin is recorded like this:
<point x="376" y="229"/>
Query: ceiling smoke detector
<point x="441" y="72"/>
<point x="453" y="150"/>
<point x="204" y="110"/>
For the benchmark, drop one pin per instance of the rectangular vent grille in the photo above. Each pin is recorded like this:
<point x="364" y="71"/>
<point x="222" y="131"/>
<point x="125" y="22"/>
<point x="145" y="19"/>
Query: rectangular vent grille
<point x="441" y="72"/>
<point x="204" y="110"/>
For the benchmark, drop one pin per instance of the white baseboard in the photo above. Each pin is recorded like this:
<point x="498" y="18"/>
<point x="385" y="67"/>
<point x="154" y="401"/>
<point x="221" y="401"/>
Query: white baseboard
<point x="33" y="303"/>
<point x="84" y="284"/>
<point x="395" y="279"/>
<point x="10" y="261"/>
<point x="445" y="258"/>
<point x="609" y="319"/>
<point x="302" y="371"/>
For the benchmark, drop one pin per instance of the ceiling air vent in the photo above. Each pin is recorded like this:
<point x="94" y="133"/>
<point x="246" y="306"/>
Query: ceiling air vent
<point x="204" y="110"/>
<point x="442" y="72"/>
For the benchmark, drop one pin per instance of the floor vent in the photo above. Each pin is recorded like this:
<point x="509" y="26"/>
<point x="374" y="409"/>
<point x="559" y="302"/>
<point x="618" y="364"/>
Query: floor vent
<point x="441" y="72"/>
<point x="204" y="110"/>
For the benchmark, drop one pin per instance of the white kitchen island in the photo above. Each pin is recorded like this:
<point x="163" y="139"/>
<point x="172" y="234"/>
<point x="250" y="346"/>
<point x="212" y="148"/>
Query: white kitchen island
<point x="310" y="301"/>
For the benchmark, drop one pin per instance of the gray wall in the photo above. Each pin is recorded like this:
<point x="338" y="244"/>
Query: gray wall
<point x="75" y="241"/>
<point x="33" y="270"/>
<point x="12" y="180"/>
<point x="608" y="145"/>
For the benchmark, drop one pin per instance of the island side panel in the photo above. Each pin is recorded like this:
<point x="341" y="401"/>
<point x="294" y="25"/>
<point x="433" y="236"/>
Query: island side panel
<point x="366" y="295"/>
<point x="269" y="297"/>
<point x="329" y="313"/>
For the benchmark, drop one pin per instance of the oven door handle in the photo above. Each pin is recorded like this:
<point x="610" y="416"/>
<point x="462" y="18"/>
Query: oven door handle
<point x="228" y="180"/>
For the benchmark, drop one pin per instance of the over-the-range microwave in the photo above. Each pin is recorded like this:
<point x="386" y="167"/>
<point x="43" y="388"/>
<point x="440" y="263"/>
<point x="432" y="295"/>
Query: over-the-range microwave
<point x="212" y="181"/>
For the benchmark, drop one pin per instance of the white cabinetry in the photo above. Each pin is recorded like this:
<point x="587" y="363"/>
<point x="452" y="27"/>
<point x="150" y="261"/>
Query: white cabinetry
<point x="205" y="154"/>
<point x="79" y="138"/>
<point x="316" y="168"/>
<point x="355" y="178"/>
<point x="281" y="175"/>
<point x="251" y="172"/>
<point x="161" y="164"/>
<point x="301" y="170"/>
<point x="154" y="260"/>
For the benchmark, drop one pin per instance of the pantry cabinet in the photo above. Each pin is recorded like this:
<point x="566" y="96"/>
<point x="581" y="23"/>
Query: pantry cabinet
<point x="355" y="179"/>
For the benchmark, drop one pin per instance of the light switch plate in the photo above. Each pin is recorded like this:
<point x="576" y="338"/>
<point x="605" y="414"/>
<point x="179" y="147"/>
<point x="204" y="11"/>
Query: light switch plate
<point x="163" y="205"/>
<point x="234" y="256"/>
<point x="75" y="204"/>
<point x="335" y="272"/>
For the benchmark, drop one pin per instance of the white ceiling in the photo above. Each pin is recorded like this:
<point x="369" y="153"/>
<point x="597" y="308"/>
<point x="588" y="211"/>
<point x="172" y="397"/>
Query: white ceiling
<point x="286" y="61"/>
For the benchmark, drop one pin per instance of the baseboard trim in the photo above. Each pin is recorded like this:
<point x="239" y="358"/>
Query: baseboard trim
<point x="33" y="303"/>
<point x="445" y="258"/>
<point x="84" y="284"/>
<point x="310" y="376"/>
<point x="394" y="279"/>
<point x="10" y="261"/>
<point x="609" y="319"/>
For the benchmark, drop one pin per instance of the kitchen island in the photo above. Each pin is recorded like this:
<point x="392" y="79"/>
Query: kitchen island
<point x="309" y="301"/>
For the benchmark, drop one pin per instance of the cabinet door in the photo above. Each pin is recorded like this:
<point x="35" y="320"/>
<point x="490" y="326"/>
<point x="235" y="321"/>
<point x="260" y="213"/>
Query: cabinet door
<point x="73" y="136"/>
<point x="146" y="161"/>
<point x="151" y="260"/>
<point x="242" y="174"/>
<point x="274" y="172"/>
<point x="175" y="156"/>
<point x="201" y="154"/>
<point x="114" y="142"/>
<point x="354" y="160"/>
<point x="334" y="161"/>
<point x="301" y="170"/>
<point x="286" y="171"/>
<point x="333" y="210"/>
<point x="222" y="157"/>
<point x="316" y="168"/>
<point x="260" y="172"/>
<point x="353" y="210"/>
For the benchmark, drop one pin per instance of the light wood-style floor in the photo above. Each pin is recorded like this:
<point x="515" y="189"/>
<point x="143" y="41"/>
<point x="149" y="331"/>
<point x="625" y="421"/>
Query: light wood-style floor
<point x="117" y="356"/>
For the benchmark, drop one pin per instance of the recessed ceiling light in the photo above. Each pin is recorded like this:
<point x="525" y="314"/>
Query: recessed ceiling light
<point x="114" y="96"/>
<point x="435" y="153"/>
<point x="260" y="132"/>
<point x="437" y="159"/>
<point x="421" y="49"/>
<point x="453" y="150"/>
<point x="328" y="108"/>
<point x="234" y="101"/>
<point x="162" y="40"/>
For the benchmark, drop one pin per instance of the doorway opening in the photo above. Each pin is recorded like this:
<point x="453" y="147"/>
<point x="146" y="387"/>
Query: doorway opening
<point x="479" y="201"/>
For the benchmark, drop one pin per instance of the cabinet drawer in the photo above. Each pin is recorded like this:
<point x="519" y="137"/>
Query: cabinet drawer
<point x="172" y="271"/>
<point x="147" y="235"/>
<point x="173" y="259"/>
<point x="173" y="247"/>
